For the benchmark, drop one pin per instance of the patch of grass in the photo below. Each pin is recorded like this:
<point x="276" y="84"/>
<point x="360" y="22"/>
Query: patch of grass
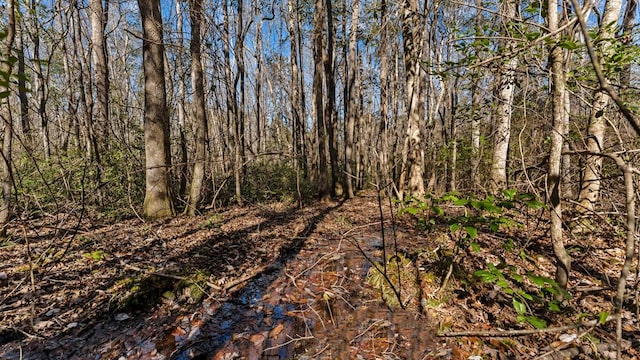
<point x="401" y="279"/>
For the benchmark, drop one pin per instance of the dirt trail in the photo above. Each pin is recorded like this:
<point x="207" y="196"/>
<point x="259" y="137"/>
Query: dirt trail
<point x="275" y="282"/>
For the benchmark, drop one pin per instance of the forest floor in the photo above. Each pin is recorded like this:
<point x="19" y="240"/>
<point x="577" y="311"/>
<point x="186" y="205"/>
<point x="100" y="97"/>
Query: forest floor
<point x="277" y="282"/>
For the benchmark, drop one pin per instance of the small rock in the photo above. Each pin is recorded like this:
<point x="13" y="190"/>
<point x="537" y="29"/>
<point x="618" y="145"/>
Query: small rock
<point x="122" y="317"/>
<point x="71" y="325"/>
<point x="3" y="275"/>
<point x="567" y="338"/>
<point x="52" y="312"/>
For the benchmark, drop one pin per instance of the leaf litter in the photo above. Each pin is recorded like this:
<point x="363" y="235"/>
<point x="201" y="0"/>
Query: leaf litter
<point x="277" y="281"/>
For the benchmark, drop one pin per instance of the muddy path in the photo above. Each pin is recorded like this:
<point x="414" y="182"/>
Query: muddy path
<point x="263" y="282"/>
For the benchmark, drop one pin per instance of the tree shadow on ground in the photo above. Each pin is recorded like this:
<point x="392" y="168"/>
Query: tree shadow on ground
<point x="97" y="331"/>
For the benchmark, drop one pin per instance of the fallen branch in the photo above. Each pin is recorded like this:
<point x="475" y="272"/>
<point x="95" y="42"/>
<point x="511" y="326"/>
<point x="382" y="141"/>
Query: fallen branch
<point x="169" y="276"/>
<point x="500" y="333"/>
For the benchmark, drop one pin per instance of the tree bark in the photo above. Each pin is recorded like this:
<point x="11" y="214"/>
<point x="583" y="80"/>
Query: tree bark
<point x="591" y="173"/>
<point x="558" y="84"/>
<point x="318" y="98"/>
<point x="331" y="113"/>
<point x="504" y="108"/>
<point x="6" y="68"/>
<point x="200" y="114"/>
<point x="240" y="107"/>
<point x="351" y="104"/>
<point x="476" y="106"/>
<point x="413" y="152"/>
<point x="384" y="172"/>
<point x="157" y="200"/>
<point x="100" y="115"/>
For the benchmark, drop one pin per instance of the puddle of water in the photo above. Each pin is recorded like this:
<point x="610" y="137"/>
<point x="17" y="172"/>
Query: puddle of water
<point x="334" y="315"/>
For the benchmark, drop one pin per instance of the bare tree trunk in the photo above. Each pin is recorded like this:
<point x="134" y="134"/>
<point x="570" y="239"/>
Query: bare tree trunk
<point x="297" y="105"/>
<point x="100" y="113"/>
<point x="240" y="113"/>
<point x="383" y="142"/>
<point x="413" y="153"/>
<point x="504" y="108"/>
<point x="331" y="113"/>
<point x="558" y="83"/>
<point x="351" y="103"/>
<point x="85" y="122"/>
<point x="259" y="122"/>
<point x="318" y="98"/>
<point x="6" y="68"/>
<point x="25" y="127"/>
<point x="157" y="200"/>
<point x="476" y="109"/>
<point x="200" y="114"/>
<point x="628" y="24"/>
<point x="180" y="100"/>
<point x="591" y="173"/>
<point x="40" y="85"/>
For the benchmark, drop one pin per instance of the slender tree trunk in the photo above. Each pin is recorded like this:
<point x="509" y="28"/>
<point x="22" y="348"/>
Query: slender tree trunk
<point x="558" y="83"/>
<point x="351" y="107"/>
<point x="383" y="142"/>
<point x="6" y="69"/>
<point x="200" y="113"/>
<point x="413" y="153"/>
<point x="40" y="84"/>
<point x="318" y="98"/>
<point x="504" y="108"/>
<point x="85" y="121"/>
<point x="476" y="107"/>
<point x="259" y="122"/>
<point x="157" y="200"/>
<point x="297" y="105"/>
<point x="591" y="173"/>
<point x="240" y="78"/>
<point x="25" y="127"/>
<point x="100" y="114"/>
<point x="180" y="100"/>
<point x="331" y="113"/>
<point x="628" y="24"/>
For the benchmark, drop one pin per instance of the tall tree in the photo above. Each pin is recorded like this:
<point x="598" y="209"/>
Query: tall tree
<point x="351" y="103"/>
<point x="384" y="172"/>
<point x="591" y="172"/>
<point x="100" y="115"/>
<point x="6" y="68"/>
<point x="476" y="103"/>
<point x="240" y="144"/>
<point x="504" y="98"/>
<point x="330" y="107"/>
<point x="413" y="153"/>
<point x="318" y="98"/>
<point x="558" y="95"/>
<point x="157" y="199"/>
<point x="199" y="113"/>
<point x="98" y="16"/>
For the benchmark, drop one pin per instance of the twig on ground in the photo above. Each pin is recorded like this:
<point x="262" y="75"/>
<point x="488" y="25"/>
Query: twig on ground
<point x="375" y="323"/>
<point x="302" y="338"/>
<point x="30" y="336"/>
<point x="318" y="261"/>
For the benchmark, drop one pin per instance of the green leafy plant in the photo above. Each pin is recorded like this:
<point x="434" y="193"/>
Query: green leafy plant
<point x="513" y="284"/>
<point x="466" y="217"/>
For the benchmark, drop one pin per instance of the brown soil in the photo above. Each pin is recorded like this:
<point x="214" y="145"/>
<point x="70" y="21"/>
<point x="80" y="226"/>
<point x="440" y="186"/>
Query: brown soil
<point x="278" y="282"/>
